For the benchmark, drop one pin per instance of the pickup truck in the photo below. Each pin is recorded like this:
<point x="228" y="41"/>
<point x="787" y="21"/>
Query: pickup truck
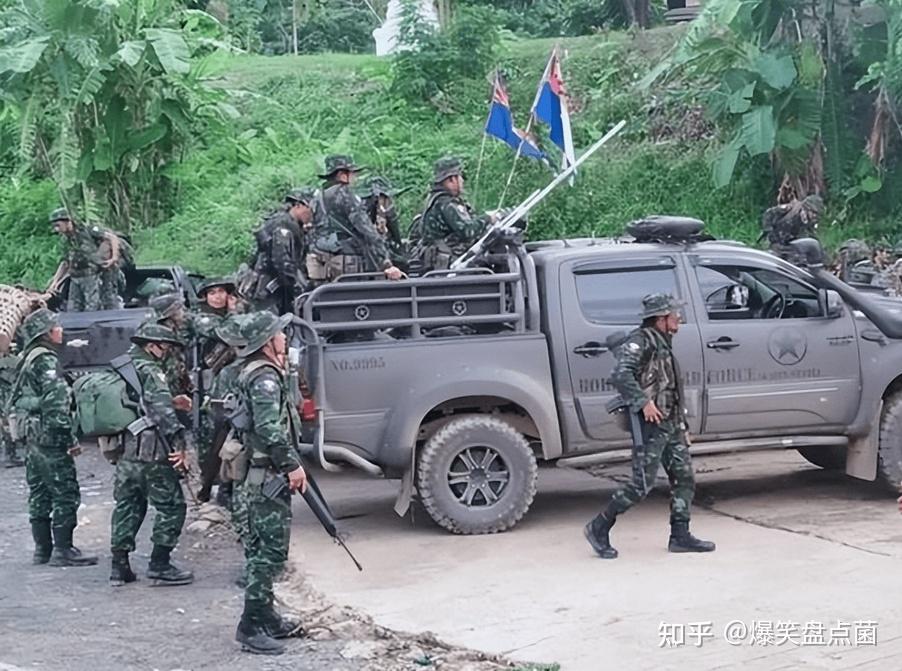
<point x="92" y="339"/>
<point x="460" y="382"/>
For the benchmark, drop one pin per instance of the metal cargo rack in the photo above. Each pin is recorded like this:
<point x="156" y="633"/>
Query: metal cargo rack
<point x="411" y="308"/>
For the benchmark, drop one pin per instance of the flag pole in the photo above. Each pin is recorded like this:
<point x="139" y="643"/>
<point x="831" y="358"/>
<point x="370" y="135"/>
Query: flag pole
<point x="479" y="166"/>
<point x="532" y="117"/>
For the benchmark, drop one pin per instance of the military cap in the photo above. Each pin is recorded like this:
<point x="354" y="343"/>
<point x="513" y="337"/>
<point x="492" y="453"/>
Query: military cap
<point x="445" y="167"/>
<point x="37" y="324"/>
<point x="659" y="305"/>
<point x="166" y="305"/>
<point x="226" y="283"/>
<point x="337" y="162"/>
<point x="304" y="195"/>
<point x="229" y="331"/>
<point x="258" y="328"/>
<point x="151" y="332"/>
<point x="60" y="214"/>
<point x="814" y="203"/>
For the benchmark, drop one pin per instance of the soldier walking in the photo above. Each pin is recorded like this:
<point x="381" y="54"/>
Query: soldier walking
<point x="274" y="472"/>
<point x="43" y="406"/>
<point x="448" y="226"/>
<point x="648" y="380"/>
<point x="147" y="473"/>
<point x="344" y="239"/>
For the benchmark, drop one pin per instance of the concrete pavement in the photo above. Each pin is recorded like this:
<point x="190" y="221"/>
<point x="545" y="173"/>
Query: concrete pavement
<point x="796" y="545"/>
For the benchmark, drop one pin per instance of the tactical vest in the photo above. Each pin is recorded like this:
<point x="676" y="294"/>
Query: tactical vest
<point x="660" y="377"/>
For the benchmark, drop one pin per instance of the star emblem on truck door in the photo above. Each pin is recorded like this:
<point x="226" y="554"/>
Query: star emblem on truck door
<point x="787" y="346"/>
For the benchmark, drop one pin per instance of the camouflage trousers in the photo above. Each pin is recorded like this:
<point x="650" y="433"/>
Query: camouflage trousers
<point x="84" y="294"/>
<point x="53" y="490"/>
<point x="240" y="516"/>
<point x="269" y="530"/>
<point x="139" y="483"/>
<point x="664" y="446"/>
<point x="112" y="285"/>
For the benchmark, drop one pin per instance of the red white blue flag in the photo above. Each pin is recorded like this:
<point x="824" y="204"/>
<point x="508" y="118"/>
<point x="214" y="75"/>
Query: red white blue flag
<point x="500" y="123"/>
<point x="552" y="108"/>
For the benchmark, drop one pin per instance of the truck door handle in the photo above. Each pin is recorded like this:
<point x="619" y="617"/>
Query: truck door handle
<point x="590" y="349"/>
<point x="722" y="343"/>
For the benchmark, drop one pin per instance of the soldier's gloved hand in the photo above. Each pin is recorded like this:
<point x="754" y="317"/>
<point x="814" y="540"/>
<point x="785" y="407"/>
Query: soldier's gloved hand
<point x="183" y="402"/>
<point x="297" y="480"/>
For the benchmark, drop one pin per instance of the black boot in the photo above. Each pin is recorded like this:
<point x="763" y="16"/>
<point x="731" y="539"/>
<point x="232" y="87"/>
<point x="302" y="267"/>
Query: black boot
<point x="64" y="554"/>
<point x="597" y="533"/>
<point x="279" y="625"/>
<point x="164" y="572"/>
<point x="43" y="543"/>
<point x="120" y="570"/>
<point x="254" y="637"/>
<point x="683" y="541"/>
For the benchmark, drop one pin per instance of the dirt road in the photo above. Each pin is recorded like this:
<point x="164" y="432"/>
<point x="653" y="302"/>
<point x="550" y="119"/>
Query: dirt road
<point x="813" y="550"/>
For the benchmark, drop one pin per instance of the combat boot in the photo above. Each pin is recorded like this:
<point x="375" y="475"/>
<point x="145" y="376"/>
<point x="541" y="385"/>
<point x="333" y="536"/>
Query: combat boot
<point x="43" y="543"/>
<point x="254" y="637"/>
<point x="64" y="553"/>
<point x="279" y="625"/>
<point x="13" y="460"/>
<point x="164" y="572"/>
<point x="120" y="569"/>
<point x="597" y="532"/>
<point x="683" y="541"/>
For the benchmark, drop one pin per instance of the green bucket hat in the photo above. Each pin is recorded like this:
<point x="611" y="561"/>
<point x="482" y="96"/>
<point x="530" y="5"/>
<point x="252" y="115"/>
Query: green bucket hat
<point x="445" y="167"/>
<point x="813" y="203"/>
<point x="150" y="332"/>
<point x="226" y="283"/>
<point x="659" y="305"/>
<point x="303" y="195"/>
<point x="229" y="331"/>
<point x="60" y="214"/>
<point x="37" y="324"/>
<point x="166" y="306"/>
<point x="854" y="250"/>
<point x="338" y="162"/>
<point x="258" y="328"/>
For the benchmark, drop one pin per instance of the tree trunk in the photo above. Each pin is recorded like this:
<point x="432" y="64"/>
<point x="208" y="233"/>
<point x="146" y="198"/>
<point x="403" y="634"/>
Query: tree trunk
<point x="294" y="27"/>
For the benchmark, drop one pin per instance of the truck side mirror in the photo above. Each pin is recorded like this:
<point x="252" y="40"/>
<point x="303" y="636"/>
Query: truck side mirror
<point x="831" y="303"/>
<point x="809" y="251"/>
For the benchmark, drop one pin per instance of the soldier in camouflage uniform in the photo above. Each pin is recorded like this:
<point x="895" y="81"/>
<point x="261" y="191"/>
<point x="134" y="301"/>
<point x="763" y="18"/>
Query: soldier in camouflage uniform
<point x="274" y="472"/>
<point x="379" y="202"/>
<point x="782" y="224"/>
<point x="89" y="252"/>
<point x="42" y="402"/>
<point x="147" y="473"/>
<point x="169" y="311"/>
<point x="448" y="226"/>
<point x="8" y="364"/>
<point x="850" y="253"/>
<point x="279" y="265"/>
<point x="344" y="239"/>
<point x="648" y="380"/>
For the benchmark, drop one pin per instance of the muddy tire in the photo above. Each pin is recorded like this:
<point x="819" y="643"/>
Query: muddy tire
<point x="889" y="449"/>
<point x="476" y="475"/>
<point x="830" y="458"/>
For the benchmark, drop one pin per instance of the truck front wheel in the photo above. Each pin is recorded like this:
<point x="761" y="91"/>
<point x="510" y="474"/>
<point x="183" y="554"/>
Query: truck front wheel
<point x="889" y="451"/>
<point x="476" y="475"/>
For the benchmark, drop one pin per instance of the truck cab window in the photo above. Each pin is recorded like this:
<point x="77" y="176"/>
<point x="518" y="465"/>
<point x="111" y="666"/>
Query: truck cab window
<point x="745" y="292"/>
<point x="615" y="296"/>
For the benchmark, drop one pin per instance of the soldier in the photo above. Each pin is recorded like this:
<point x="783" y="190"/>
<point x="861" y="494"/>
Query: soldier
<point x="648" y="380"/>
<point x="281" y="239"/>
<point x="380" y="206"/>
<point x="147" y="473"/>
<point x="850" y="253"/>
<point x="344" y="239"/>
<point x="86" y="260"/>
<point x="782" y="224"/>
<point x="43" y="406"/>
<point x="9" y="362"/>
<point x="448" y="225"/>
<point x="169" y="311"/>
<point x="274" y="472"/>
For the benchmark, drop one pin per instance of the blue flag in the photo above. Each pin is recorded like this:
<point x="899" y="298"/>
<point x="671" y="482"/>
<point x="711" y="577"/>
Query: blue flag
<point x="500" y="123"/>
<point x="551" y="108"/>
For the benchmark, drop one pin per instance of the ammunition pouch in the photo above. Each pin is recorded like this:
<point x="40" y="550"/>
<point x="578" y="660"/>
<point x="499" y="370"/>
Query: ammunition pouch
<point x="325" y="267"/>
<point x="255" y="476"/>
<point x="329" y="244"/>
<point x="235" y="459"/>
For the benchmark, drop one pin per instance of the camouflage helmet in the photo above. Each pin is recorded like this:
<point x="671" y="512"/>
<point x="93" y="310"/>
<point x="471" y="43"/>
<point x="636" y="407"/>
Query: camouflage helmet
<point x="303" y="195"/>
<point x="445" y="167"/>
<point x="813" y="203"/>
<point x="379" y="186"/>
<point x="60" y="214"/>
<point x="854" y="250"/>
<point x="659" y="305"/>
<point x="229" y="331"/>
<point x="225" y="282"/>
<point x="337" y="162"/>
<point x="155" y="286"/>
<point x="38" y="323"/>
<point x="151" y="332"/>
<point x="166" y="306"/>
<point x="259" y="328"/>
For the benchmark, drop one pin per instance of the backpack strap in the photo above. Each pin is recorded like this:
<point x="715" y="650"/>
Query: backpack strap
<point x="20" y="375"/>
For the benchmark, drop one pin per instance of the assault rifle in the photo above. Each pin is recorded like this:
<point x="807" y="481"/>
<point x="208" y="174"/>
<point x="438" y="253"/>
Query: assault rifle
<point x="508" y="222"/>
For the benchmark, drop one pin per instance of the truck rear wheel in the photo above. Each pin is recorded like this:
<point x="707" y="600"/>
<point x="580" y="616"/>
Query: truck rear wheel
<point x="889" y="449"/>
<point x="477" y="475"/>
<point x="828" y="457"/>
